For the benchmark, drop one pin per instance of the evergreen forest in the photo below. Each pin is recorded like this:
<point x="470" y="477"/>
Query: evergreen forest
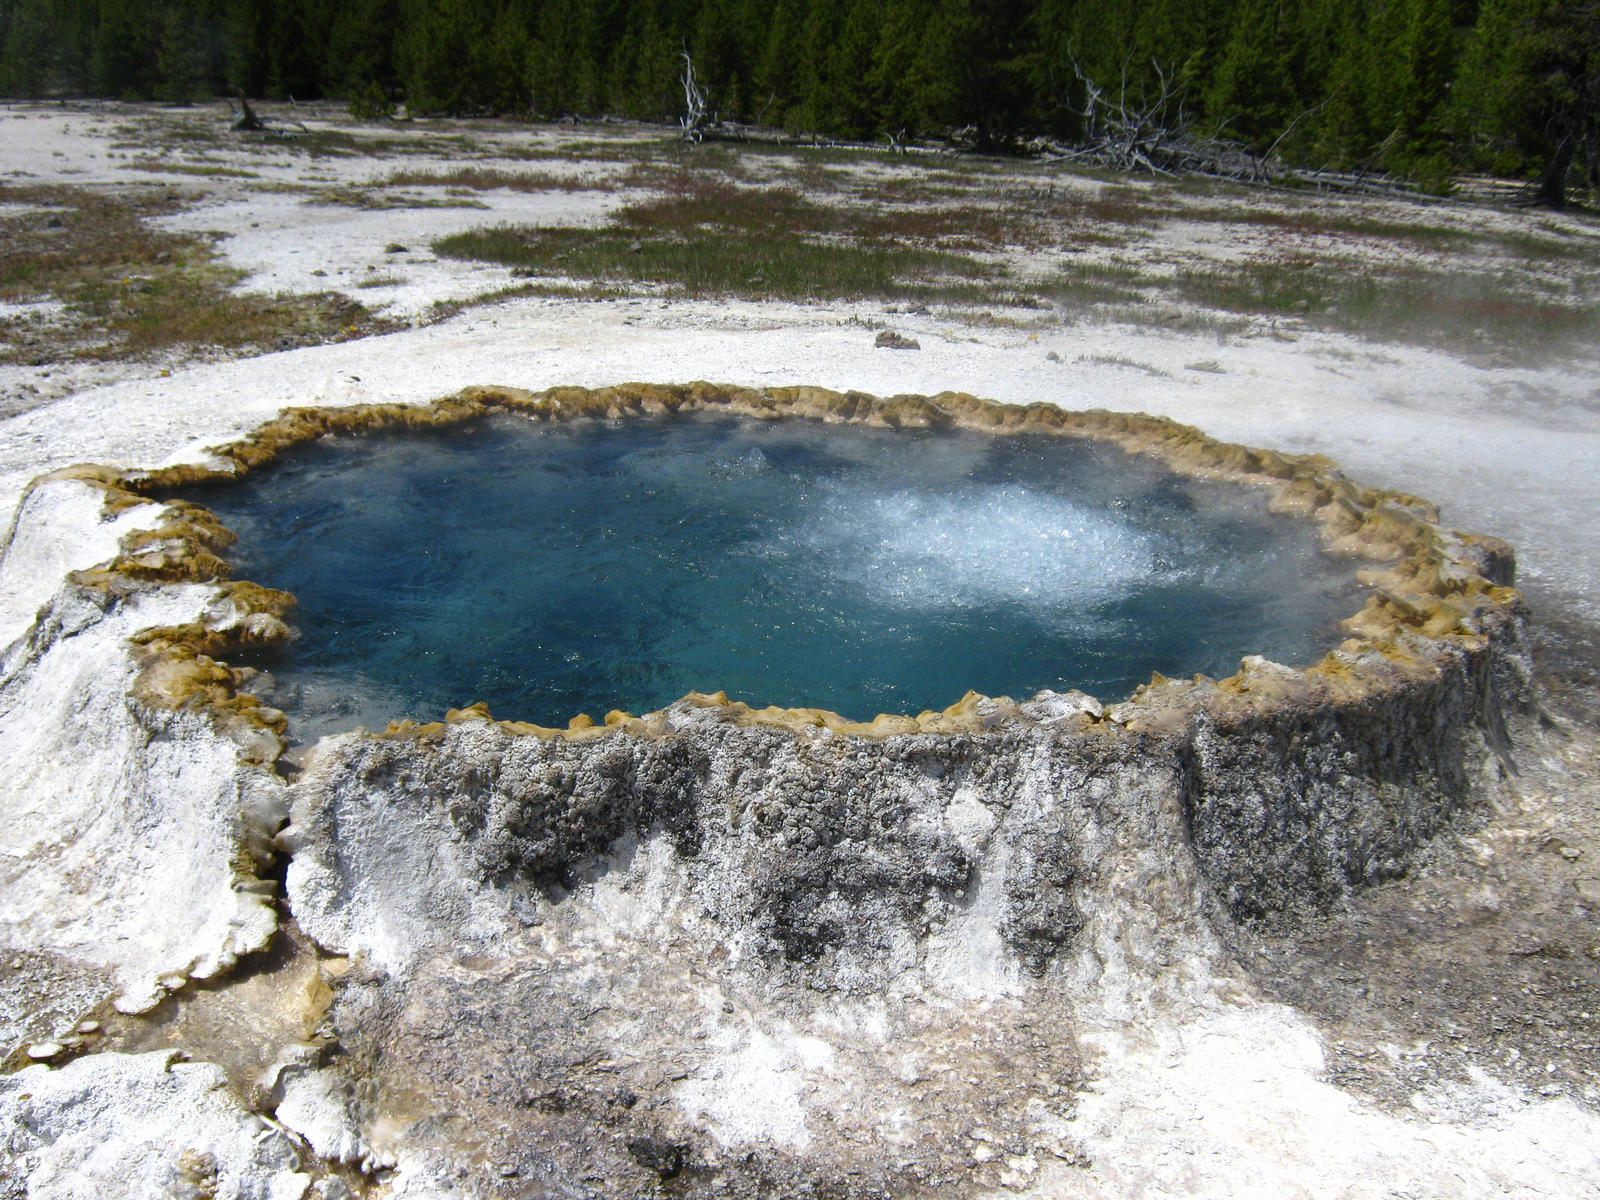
<point x="1418" y="88"/>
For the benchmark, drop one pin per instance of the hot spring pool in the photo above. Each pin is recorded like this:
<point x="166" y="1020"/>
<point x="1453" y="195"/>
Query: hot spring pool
<point x="551" y="569"/>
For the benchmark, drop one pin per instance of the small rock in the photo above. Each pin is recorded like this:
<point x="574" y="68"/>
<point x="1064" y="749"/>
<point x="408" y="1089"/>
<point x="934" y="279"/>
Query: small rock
<point x="198" y="1167"/>
<point x="1049" y="707"/>
<point x="1052" y="357"/>
<point x="319" y="273"/>
<point x="657" y="1154"/>
<point x="890" y="340"/>
<point x="396" y="248"/>
<point x="45" y="1051"/>
<point x="1210" y="366"/>
<point x="1554" y="845"/>
<point x="1589" y="888"/>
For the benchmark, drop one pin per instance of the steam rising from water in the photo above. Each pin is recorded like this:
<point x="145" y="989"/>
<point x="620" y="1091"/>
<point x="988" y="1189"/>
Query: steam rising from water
<point x="556" y="569"/>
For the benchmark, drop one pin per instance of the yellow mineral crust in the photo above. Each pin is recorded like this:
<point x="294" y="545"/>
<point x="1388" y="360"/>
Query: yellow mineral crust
<point x="1436" y="593"/>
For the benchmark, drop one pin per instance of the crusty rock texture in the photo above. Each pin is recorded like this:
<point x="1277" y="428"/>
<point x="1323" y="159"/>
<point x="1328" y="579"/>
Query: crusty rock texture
<point x="717" y="950"/>
<point x="823" y="859"/>
<point x="741" y="931"/>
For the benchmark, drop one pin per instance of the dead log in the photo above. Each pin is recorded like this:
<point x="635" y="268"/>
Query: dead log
<point x="249" y="122"/>
<point x="1148" y="130"/>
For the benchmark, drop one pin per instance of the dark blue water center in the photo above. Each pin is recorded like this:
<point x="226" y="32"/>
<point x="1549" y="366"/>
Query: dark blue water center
<point x="557" y="569"/>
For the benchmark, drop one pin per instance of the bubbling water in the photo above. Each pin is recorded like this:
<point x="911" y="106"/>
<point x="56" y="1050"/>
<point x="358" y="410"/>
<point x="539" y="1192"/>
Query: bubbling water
<point x="553" y="569"/>
<point x="976" y="546"/>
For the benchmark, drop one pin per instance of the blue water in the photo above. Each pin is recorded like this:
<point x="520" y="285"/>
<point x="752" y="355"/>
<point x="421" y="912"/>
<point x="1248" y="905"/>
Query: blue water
<point x="552" y="570"/>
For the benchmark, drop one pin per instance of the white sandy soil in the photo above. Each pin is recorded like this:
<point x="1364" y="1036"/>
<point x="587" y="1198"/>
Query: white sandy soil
<point x="1233" y="1104"/>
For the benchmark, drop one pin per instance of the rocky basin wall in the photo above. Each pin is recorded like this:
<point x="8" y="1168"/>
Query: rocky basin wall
<point x="848" y="862"/>
<point x="846" y="859"/>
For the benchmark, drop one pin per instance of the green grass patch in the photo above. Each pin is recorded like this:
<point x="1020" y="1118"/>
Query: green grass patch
<point x="1464" y="312"/>
<point x="930" y="188"/>
<point x="375" y="200"/>
<point x="480" y="179"/>
<point x="1079" y="287"/>
<point x="158" y="166"/>
<point x="718" y="262"/>
<point x="706" y="236"/>
<point x="1131" y="364"/>
<point x="1331" y="221"/>
<point x="315" y="143"/>
<point x="129" y="290"/>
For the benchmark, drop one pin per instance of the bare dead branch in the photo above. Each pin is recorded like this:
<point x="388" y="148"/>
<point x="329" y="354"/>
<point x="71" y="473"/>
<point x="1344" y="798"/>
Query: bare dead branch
<point x="1289" y="128"/>
<point x="1144" y="128"/>
<point x="693" y="120"/>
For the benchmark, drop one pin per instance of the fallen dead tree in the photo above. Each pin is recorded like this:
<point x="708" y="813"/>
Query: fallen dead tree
<point x="250" y="121"/>
<point x="1134" y="129"/>
<point x="1130" y="130"/>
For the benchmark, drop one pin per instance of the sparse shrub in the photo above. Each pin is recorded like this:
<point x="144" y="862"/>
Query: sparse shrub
<point x="372" y="103"/>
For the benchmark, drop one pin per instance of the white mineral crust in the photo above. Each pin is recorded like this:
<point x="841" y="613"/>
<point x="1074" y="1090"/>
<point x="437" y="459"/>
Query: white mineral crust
<point x="120" y="825"/>
<point x="139" y="1127"/>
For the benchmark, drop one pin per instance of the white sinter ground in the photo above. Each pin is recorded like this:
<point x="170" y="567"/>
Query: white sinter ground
<point x="1234" y="1103"/>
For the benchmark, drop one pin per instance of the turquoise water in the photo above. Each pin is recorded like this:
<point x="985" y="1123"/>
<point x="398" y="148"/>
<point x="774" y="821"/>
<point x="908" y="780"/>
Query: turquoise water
<point x="551" y="570"/>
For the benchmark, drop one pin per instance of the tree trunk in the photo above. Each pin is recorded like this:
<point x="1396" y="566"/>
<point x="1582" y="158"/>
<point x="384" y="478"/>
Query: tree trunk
<point x="1553" y="180"/>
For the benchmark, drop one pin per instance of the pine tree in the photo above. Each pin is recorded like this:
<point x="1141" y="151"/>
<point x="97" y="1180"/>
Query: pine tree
<point x="566" y="61"/>
<point x="181" y="62"/>
<point x="851" y="108"/>
<point x="124" y="56"/>
<point x="359" y="60"/>
<point x="1252" y="95"/>
<point x="1529" y="89"/>
<point x="295" y="36"/>
<point x="26" y="48"/>
<point x="901" y="80"/>
<point x="501" y="65"/>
